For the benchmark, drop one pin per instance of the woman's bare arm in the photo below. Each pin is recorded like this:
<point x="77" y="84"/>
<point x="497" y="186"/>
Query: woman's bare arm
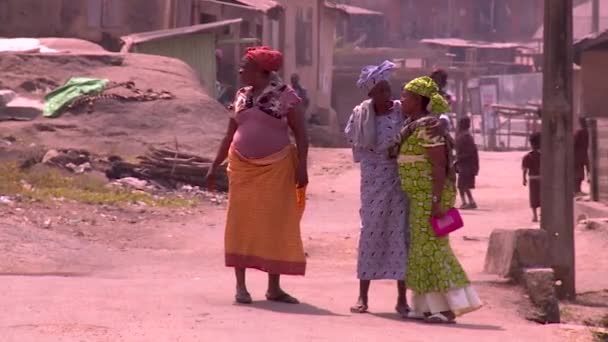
<point x="297" y="123"/>
<point x="222" y="152"/>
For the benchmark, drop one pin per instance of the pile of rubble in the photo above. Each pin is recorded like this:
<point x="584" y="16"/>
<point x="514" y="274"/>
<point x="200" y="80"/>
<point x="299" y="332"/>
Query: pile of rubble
<point x="158" y="169"/>
<point x="169" y="169"/>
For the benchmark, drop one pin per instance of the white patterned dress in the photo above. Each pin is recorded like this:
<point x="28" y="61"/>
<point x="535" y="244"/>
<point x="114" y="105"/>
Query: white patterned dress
<point x="384" y="239"/>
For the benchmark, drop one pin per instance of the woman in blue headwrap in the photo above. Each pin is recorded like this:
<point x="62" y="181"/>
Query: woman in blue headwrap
<point x="371" y="130"/>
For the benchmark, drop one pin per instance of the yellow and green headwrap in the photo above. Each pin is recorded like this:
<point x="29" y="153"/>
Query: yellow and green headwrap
<point x="425" y="86"/>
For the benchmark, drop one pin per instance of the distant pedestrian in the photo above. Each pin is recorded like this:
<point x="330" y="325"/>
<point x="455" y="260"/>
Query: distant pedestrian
<point x="467" y="163"/>
<point x="440" y="77"/>
<point x="531" y="174"/>
<point x="581" y="155"/>
<point x="446" y="121"/>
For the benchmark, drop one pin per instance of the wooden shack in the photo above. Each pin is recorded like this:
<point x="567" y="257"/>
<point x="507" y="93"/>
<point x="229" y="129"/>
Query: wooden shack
<point x="591" y="53"/>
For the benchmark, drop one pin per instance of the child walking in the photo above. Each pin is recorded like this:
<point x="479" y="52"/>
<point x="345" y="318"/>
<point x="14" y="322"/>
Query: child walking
<point x="531" y="174"/>
<point x="467" y="163"/>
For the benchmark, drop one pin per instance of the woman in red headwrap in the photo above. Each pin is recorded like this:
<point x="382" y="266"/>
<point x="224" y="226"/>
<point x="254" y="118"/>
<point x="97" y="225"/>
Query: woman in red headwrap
<point x="268" y="175"/>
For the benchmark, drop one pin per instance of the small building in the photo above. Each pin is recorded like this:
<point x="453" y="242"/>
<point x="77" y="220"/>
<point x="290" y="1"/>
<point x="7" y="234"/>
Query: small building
<point x="260" y="19"/>
<point x="304" y="30"/>
<point x="362" y="27"/>
<point x="194" y="45"/>
<point x="482" y="56"/>
<point x="499" y="20"/>
<point x="591" y="53"/>
<point x="99" y="21"/>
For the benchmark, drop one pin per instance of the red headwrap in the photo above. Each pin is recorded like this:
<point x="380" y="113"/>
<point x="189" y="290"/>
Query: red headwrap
<point x="266" y="58"/>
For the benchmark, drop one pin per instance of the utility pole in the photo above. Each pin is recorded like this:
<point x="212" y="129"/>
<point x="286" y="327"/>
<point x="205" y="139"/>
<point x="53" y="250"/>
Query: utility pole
<point x="595" y="16"/>
<point x="557" y="163"/>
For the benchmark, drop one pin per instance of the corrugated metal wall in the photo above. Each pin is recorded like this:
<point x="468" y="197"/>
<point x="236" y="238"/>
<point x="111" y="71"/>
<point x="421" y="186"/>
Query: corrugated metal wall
<point x="602" y="159"/>
<point x="197" y="50"/>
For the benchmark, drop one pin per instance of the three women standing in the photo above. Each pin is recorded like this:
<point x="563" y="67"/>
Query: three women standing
<point x="267" y="177"/>
<point x="371" y="130"/>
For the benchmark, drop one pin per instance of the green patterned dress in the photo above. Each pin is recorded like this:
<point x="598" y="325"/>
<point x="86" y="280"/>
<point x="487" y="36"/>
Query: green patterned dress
<point x="434" y="274"/>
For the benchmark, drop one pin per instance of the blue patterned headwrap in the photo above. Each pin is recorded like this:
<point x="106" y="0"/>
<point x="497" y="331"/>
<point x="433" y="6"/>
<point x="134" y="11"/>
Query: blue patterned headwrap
<point x="373" y="74"/>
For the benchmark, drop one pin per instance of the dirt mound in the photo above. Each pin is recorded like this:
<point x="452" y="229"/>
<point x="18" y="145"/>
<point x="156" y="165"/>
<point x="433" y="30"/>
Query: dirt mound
<point x="193" y="120"/>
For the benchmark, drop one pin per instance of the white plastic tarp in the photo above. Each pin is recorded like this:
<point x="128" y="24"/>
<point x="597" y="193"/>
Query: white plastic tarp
<point x="30" y="45"/>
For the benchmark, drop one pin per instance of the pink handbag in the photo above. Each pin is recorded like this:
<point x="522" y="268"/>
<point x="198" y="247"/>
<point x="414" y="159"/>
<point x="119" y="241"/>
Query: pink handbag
<point x="452" y="221"/>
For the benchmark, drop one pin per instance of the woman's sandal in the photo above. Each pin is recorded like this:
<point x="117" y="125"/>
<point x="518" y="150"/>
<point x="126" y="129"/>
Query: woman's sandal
<point x="359" y="309"/>
<point x="439" y="318"/>
<point x="416" y="316"/>
<point x="403" y="311"/>
<point x="243" y="298"/>
<point x="283" y="298"/>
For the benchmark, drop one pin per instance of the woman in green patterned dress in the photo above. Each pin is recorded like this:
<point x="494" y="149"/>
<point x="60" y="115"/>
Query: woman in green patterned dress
<point x="441" y="288"/>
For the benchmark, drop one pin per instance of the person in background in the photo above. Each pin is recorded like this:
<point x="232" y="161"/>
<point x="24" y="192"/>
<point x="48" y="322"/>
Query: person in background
<point x="531" y="174"/>
<point x="446" y="122"/>
<point x="467" y="163"/>
<point x="295" y="85"/>
<point x="370" y="130"/>
<point x="267" y="177"/>
<point x="441" y="288"/>
<point x="581" y="155"/>
<point x="440" y="77"/>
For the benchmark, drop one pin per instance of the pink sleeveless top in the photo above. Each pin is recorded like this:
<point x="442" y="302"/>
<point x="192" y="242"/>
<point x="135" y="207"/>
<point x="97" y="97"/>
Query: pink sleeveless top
<point x="262" y="123"/>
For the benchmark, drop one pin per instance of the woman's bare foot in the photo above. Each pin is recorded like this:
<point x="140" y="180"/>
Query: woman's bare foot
<point x="243" y="297"/>
<point x="402" y="307"/>
<point x="361" y="306"/>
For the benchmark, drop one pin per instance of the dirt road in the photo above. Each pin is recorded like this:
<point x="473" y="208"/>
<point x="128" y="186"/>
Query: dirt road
<point x="163" y="279"/>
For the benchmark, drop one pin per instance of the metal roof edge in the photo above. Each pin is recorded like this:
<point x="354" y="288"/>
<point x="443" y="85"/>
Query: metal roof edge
<point x="141" y="37"/>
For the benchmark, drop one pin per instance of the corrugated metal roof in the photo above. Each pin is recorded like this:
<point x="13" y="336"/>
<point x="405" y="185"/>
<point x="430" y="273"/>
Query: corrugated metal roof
<point x="263" y="5"/>
<point x="589" y="42"/>
<point x="455" y="42"/>
<point x="182" y="31"/>
<point x="354" y="10"/>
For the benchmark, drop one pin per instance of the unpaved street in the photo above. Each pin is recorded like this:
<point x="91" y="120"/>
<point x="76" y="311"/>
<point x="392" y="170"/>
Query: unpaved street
<point x="164" y="279"/>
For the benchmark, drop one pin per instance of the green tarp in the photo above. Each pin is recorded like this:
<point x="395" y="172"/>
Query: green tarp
<point x="61" y="97"/>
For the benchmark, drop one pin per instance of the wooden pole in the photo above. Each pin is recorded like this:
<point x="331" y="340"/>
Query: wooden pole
<point x="557" y="171"/>
<point x="595" y="16"/>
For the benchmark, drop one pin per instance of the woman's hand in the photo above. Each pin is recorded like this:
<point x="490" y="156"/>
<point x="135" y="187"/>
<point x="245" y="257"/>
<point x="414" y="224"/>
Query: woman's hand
<point x="437" y="130"/>
<point x="302" y="176"/>
<point x="436" y="211"/>
<point x="210" y="178"/>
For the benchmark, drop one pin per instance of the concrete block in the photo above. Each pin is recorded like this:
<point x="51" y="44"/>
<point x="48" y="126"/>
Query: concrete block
<point x="540" y="287"/>
<point x="512" y="251"/>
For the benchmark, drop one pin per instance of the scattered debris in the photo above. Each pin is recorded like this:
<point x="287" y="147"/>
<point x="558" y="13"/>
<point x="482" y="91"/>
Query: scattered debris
<point x="9" y="139"/>
<point x="75" y="161"/>
<point x="593" y="224"/>
<point x="132" y="182"/>
<point x="170" y="169"/>
<point x="80" y="92"/>
<point x="6" y="96"/>
<point x="47" y="224"/>
<point x="469" y="238"/>
<point x="6" y="200"/>
<point x="27" y="186"/>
